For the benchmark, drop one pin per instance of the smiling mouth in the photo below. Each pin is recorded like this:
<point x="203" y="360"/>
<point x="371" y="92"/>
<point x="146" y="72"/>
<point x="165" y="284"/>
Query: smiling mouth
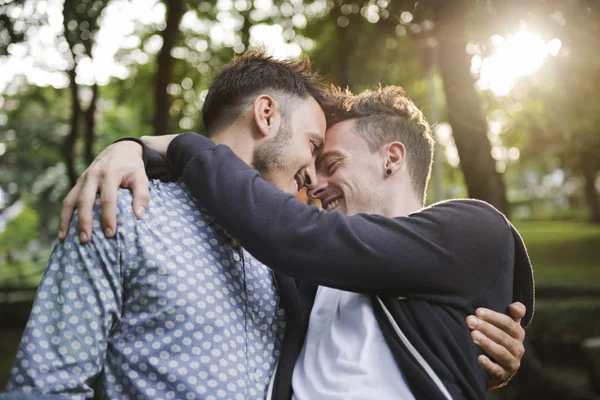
<point x="333" y="204"/>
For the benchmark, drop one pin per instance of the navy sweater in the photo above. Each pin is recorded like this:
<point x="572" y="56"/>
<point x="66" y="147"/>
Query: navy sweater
<point x="425" y="272"/>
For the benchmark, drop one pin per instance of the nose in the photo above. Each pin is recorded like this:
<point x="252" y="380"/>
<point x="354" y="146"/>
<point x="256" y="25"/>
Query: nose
<point x="316" y="188"/>
<point x="310" y="177"/>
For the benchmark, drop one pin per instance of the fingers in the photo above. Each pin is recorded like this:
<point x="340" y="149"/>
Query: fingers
<point x="499" y="329"/>
<point x="119" y="164"/>
<point x="85" y="206"/>
<point x="501" y="338"/>
<point x="504" y="364"/>
<point x="68" y="209"/>
<point x="500" y="352"/>
<point x="108" y="204"/>
<point x="501" y="321"/>
<point x="517" y="312"/>
<point x="141" y="196"/>
<point x="499" y="376"/>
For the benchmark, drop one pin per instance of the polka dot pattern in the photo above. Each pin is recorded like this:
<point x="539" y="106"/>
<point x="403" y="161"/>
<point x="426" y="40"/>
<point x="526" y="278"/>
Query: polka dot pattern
<point x="172" y="308"/>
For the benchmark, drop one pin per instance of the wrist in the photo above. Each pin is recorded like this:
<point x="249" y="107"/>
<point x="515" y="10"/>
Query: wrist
<point x="160" y="144"/>
<point x="136" y="146"/>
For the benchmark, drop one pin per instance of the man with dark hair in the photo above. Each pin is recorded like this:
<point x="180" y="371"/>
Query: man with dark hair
<point x="173" y="307"/>
<point x="231" y="91"/>
<point x="217" y="319"/>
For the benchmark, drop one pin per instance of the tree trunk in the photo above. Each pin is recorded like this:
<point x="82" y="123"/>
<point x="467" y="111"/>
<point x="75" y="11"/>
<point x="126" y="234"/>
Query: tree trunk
<point x="71" y="138"/>
<point x="164" y="72"/>
<point x="469" y="129"/>
<point x="591" y="195"/>
<point x="465" y="115"/>
<point x="90" y="125"/>
<point x="245" y="30"/>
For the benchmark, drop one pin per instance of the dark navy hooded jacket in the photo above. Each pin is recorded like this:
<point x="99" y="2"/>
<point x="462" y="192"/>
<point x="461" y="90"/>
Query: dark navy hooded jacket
<point x="425" y="273"/>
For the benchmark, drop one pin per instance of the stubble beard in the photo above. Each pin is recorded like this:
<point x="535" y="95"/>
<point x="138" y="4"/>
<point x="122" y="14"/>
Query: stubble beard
<point x="273" y="155"/>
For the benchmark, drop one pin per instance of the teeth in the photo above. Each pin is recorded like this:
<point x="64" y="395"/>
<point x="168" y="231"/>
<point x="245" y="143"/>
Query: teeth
<point x="296" y="182"/>
<point x="333" y="204"/>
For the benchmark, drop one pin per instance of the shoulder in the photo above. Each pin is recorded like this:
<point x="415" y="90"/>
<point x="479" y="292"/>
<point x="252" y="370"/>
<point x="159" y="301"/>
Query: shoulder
<point x="164" y="197"/>
<point x="466" y="212"/>
<point x="471" y="224"/>
<point x="171" y="204"/>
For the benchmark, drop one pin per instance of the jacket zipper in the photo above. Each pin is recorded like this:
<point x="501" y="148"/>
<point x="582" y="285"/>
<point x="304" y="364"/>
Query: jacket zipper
<point x="438" y="382"/>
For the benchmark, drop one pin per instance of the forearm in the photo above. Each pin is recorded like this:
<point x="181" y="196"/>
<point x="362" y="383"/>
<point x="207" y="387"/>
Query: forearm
<point x="363" y="253"/>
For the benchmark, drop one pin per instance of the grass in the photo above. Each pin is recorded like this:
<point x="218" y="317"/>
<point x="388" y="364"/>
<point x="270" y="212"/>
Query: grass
<point x="563" y="252"/>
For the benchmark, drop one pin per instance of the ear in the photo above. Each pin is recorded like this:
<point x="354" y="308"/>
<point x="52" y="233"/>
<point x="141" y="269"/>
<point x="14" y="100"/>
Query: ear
<point x="394" y="157"/>
<point x="265" y="113"/>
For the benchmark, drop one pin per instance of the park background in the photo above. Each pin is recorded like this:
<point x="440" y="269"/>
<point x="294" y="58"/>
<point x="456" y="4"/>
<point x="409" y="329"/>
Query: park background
<point x="511" y="88"/>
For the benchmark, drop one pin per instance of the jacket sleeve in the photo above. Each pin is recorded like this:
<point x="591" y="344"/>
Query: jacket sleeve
<point x="450" y="252"/>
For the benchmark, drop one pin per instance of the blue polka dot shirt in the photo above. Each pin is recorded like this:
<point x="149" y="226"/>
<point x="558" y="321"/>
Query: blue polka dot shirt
<point x="171" y="308"/>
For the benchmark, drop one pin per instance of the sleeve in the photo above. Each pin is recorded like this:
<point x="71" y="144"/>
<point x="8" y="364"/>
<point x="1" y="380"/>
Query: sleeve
<point x="78" y="302"/>
<point x="443" y="253"/>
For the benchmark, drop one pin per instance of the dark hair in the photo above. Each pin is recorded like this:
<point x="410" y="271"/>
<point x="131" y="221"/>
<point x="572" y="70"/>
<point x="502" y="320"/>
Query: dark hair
<point x="253" y="72"/>
<point x="386" y="115"/>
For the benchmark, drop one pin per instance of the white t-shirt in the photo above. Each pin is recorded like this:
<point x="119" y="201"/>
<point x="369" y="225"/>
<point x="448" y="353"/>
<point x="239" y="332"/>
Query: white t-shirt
<point x="345" y="355"/>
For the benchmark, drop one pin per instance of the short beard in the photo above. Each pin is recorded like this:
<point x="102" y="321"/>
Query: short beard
<point x="272" y="154"/>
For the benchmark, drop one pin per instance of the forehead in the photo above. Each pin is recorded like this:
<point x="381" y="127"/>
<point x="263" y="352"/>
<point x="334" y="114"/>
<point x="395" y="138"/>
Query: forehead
<point x="342" y="137"/>
<point x="308" y="116"/>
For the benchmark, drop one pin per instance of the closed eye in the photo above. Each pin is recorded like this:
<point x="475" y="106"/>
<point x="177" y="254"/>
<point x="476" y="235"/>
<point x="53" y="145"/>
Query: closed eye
<point x="332" y="165"/>
<point x="316" y="141"/>
<point x="314" y="147"/>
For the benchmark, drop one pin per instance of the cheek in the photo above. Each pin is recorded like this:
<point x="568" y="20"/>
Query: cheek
<point x="358" y="181"/>
<point x="301" y="159"/>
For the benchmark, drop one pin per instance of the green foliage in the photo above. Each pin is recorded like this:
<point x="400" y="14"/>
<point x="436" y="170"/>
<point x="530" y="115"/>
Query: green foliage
<point x="20" y="230"/>
<point x="12" y="27"/>
<point x="21" y="261"/>
<point x="37" y="118"/>
<point x="80" y="21"/>
<point x="563" y="252"/>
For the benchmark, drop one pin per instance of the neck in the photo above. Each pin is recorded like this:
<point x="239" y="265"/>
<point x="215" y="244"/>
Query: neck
<point x="403" y="207"/>
<point x="405" y="203"/>
<point x="239" y="139"/>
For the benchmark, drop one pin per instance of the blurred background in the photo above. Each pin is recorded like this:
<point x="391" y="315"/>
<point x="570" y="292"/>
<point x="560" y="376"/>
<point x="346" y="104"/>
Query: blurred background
<point x="512" y="89"/>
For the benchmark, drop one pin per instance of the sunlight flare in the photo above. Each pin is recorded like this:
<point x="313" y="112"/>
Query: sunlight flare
<point x="514" y="56"/>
